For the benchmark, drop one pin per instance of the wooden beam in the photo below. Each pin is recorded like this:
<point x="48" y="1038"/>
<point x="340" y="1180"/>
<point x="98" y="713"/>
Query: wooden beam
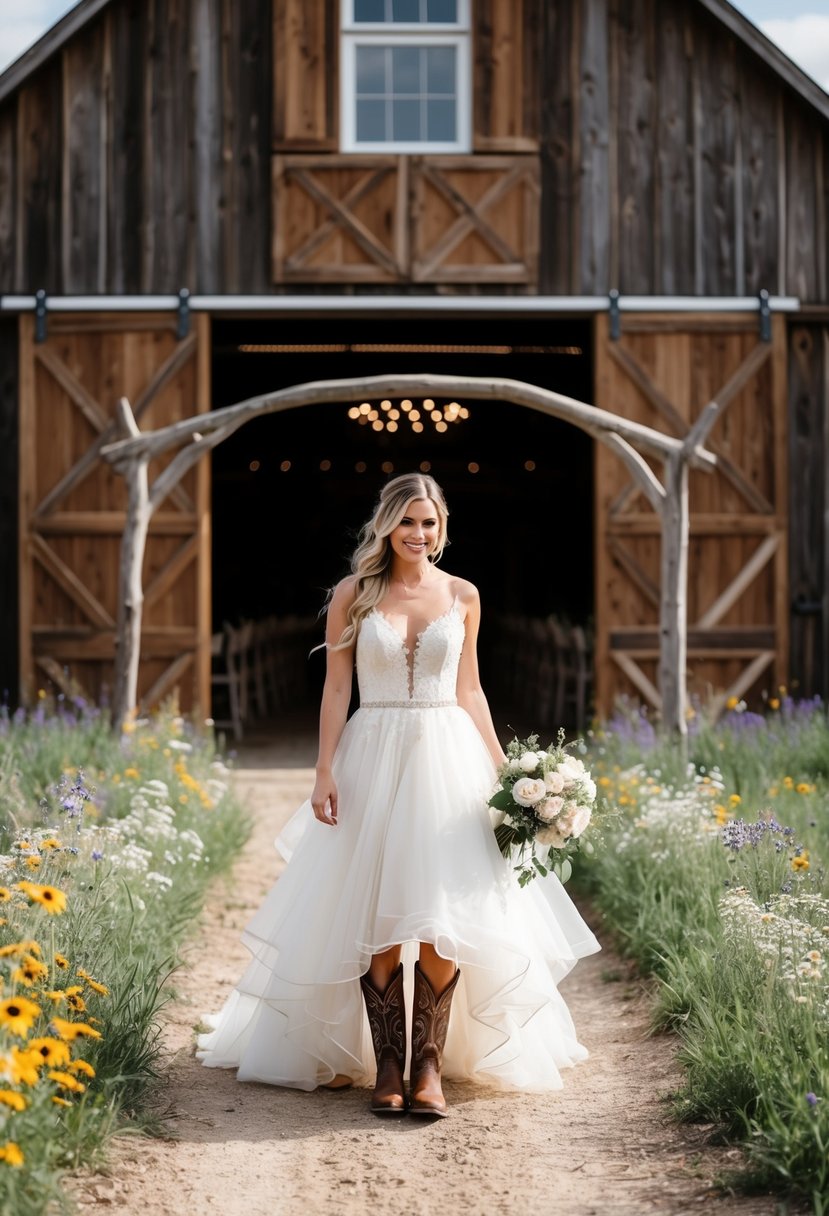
<point x="69" y="582"/>
<point x="744" y="681"/>
<point x="638" y="678"/>
<point x="727" y="598"/>
<point x="166" y="681"/>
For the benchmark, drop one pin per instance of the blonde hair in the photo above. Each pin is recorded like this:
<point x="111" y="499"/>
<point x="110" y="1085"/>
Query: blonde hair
<point x="371" y="560"/>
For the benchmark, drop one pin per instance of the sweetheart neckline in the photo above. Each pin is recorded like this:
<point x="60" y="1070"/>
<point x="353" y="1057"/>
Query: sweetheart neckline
<point x="411" y="651"/>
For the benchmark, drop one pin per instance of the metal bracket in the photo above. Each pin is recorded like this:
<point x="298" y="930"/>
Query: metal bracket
<point x="183" y="327"/>
<point x="40" y="315"/>
<point x="615" y="316"/>
<point x="765" y="317"/>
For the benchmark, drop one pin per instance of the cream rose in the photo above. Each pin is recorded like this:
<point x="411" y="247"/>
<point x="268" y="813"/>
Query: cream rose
<point x="549" y="808"/>
<point x="581" y="818"/>
<point x="529" y="762"/>
<point x="554" y="782"/>
<point x="514" y="766"/>
<point x="552" y="836"/>
<point x="589" y="787"/>
<point x="571" y="769"/>
<point x="528" y="790"/>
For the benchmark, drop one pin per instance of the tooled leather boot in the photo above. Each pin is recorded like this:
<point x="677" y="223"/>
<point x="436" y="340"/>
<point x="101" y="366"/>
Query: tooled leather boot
<point x="430" y="1023"/>
<point x="387" y="1022"/>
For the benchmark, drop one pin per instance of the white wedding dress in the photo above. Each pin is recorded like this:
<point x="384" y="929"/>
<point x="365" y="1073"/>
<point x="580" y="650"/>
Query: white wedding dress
<point x="413" y="858"/>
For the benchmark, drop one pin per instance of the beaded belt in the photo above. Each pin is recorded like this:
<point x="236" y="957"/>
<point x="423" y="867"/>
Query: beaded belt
<point x="407" y="704"/>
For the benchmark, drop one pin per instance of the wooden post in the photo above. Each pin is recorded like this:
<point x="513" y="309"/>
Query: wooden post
<point x="673" y="613"/>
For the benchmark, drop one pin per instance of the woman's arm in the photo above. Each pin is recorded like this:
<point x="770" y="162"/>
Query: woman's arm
<point x="336" y="695"/>
<point x="470" y="694"/>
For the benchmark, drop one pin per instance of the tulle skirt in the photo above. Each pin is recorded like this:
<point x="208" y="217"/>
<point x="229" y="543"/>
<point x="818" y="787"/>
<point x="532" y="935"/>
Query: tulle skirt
<point x="412" y="859"/>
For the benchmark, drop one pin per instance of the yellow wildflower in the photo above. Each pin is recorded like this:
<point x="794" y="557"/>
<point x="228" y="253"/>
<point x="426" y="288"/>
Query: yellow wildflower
<point x="801" y="862"/>
<point x="17" y="1015"/>
<point x="82" y="1066"/>
<point x="61" y="961"/>
<point x="22" y="1067"/>
<point x="734" y="799"/>
<point x="732" y="703"/>
<point x="11" y="1153"/>
<point x="33" y="861"/>
<point x="60" y="1101"/>
<point x="51" y="1051"/>
<point x="73" y="1030"/>
<point x="132" y="772"/>
<point x="50" y="898"/>
<point x="774" y="702"/>
<point x="773" y="791"/>
<point x="10" y="1097"/>
<point x="66" y="1081"/>
<point x="803" y="787"/>
<point x="75" y="1001"/>
<point x="51" y="843"/>
<point x="29" y="971"/>
<point x="5" y="895"/>
<point x="789" y="784"/>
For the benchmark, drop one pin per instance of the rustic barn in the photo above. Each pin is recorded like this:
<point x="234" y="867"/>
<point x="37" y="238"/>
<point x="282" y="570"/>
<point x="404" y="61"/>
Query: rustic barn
<point x="201" y="200"/>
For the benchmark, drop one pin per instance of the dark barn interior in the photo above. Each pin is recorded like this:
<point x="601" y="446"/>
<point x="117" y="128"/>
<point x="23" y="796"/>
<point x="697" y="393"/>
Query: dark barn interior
<point x="291" y="490"/>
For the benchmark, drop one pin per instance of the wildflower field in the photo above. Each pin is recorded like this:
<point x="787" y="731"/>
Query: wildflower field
<point x="107" y="845"/>
<point x="714" y="876"/>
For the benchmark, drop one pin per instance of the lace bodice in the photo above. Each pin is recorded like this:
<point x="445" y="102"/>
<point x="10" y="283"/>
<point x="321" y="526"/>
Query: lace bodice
<point x="388" y="672"/>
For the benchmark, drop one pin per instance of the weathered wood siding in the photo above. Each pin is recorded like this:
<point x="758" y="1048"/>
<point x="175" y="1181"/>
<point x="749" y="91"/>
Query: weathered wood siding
<point x="673" y="159"/>
<point x="8" y="509"/>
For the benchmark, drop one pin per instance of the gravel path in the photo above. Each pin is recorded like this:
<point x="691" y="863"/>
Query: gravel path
<point x="604" y="1146"/>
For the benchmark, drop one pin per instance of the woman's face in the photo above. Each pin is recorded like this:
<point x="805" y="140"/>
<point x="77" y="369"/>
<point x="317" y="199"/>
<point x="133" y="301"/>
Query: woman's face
<point x="416" y="535"/>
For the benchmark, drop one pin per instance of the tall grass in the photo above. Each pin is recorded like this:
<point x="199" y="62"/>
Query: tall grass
<point x="107" y="845"/>
<point x="713" y="876"/>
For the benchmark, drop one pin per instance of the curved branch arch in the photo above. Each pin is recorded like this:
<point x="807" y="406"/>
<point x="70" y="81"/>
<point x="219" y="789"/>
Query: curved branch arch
<point x="131" y="454"/>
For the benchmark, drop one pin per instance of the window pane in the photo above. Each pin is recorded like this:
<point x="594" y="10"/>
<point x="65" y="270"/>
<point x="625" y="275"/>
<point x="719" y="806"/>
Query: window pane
<point x="440" y="118"/>
<point x="369" y="10"/>
<point x="440" y="70"/>
<point x="405" y="72"/>
<point x="371" y="121"/>
<point x="405" y="10"/>
<point x="371" y="69"/>
<point x="442" y="10"/>
<point x="406" y="121"/>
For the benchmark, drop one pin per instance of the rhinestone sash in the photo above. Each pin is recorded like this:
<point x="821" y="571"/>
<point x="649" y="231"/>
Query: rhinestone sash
<point x="407" y="704"/>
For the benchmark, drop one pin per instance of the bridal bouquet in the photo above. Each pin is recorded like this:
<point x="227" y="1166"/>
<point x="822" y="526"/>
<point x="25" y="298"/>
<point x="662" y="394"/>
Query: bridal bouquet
<point x="542" y="806"/>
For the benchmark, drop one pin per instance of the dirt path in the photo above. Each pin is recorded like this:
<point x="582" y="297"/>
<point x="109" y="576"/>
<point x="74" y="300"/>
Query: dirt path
<point x="604" y="1146"/>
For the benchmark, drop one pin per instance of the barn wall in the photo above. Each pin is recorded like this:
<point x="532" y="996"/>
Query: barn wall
<point x="8" y="508"/>
<point x="673" y="160"/>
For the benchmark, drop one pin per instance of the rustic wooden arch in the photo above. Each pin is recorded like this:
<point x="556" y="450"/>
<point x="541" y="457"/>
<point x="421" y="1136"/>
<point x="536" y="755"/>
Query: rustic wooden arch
<point x="631" y="441"/>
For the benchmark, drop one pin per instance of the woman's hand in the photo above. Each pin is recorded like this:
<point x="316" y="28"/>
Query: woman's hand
<point x="325" y="796"/>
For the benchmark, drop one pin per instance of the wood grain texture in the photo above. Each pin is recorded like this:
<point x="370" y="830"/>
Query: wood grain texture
<point x="506" y="75"/>
<point x="305" y="58"/>
<point x="9" y="385"/>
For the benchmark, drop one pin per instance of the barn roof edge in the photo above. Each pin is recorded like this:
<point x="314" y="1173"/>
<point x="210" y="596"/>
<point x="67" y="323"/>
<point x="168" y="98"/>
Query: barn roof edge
<point x="19" y="71"/>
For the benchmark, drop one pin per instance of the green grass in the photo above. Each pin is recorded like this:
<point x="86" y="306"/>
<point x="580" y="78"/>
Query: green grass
<point x="131" y="830"/>
<point x="736" y="937"/>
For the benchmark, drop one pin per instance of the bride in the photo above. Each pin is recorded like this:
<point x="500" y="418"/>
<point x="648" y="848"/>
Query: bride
<point x="396" y="894"/>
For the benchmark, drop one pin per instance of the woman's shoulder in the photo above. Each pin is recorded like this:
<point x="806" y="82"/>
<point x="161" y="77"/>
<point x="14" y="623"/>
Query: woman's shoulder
<point x="463" y="590"/>
<point x="344" y="593"/>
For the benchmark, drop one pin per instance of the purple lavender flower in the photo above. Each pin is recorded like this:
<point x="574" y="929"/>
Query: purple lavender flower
<point x="812" y="1099"/>
<point x="97" y="855"/>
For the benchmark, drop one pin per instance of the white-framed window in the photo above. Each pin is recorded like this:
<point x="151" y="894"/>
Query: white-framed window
<point x="405" y="76"/>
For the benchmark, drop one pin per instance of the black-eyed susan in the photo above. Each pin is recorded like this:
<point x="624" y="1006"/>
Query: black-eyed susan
<point x="23" y="1066"/>
<point x="5" y="895"/>
<point x="51" y="842"/>
<point x="53" y="1052"/>
<point x="11" y="1153"/>
<point x="61" y="961"/>
<point x="13" y="949"/>
<point x="17" y="1015"/>
<point x="57" y="995"/>
<point x="50" y="898"/>
<point x="101" y="989"/>
<point x="66" y="1081"/>
<point x="81" y="1066"/>
<point x="30" y="971"/>
<point x="801" y="861"/>
<point x="33" y="861"/>
<point x="14" y="1099"/>
<point x="73" y="1030"/>
<point x="75" y="1001"/>
<point x="58" y="1101"/>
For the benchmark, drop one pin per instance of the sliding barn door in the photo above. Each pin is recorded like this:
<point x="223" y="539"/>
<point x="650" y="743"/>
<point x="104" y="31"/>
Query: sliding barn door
<point x="72" y="507"/>
<point x="663" y="371"/>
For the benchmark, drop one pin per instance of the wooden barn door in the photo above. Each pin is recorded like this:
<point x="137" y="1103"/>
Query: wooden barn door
<point x="72" y="507"/>
<point x="662" y="372"/>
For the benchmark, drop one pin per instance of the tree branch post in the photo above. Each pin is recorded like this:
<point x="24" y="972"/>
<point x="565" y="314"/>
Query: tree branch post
<point x="673" y="614"/>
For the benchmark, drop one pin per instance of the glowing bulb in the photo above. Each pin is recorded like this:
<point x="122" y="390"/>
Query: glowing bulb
<point x="405" y="404"/>
<point x="377" y="425"/>
<point x="360" y="466"/>
<point x="417" y="426"/>
<point x="394" y="415"/>
<point x="391" y="426"/>
<point x="354" y="412"/>
<point x="428" y="404"/>
<point x="425" y="466"/>
<point x="325" y="465"/>
<point x="373" y="416"/>
<point x="436" y="415"/>
<point x="473" y="467"/>
<point x="441" y="426"/>
<point x="365" y="408"/>
<point x="464" y="412"/>
<point x="414" y="416"/>
<point x="387" y="466"/>
<point x="529" y="465"/>
<point x="253" y="466"/>
<point x="385" y="405"/>
<point x="285" y="466"/>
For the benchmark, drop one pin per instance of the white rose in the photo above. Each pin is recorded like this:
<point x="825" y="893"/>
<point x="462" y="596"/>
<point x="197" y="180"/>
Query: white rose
<point x="528" y="791"/>
<point x="515" y="766"/>
<point x="554" y="782"/>
<point x="580" y="820"/>
<point x="529" y="762"/>
<point x="549" y="808"/>
<point x="571" y="768"/>
<point x="552" y="836"/>
<point x="567" y="819"/>
<point x="589" y="787"/>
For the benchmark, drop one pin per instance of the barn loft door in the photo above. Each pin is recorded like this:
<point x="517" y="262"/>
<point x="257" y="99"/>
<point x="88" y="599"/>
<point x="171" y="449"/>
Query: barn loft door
<point x="662" y="372"/>
<point x="72" y="507"/>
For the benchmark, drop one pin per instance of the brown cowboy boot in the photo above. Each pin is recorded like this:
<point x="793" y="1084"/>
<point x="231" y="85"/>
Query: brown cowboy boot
<point x="430" y="1023"/>
<point x="387" y="1022"/>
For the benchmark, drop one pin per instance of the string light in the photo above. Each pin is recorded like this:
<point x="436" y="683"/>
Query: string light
<point x="389" y="417"/>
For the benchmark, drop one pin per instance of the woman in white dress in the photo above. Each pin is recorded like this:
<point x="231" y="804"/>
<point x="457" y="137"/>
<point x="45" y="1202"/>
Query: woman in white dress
<point x="393" y="860"/>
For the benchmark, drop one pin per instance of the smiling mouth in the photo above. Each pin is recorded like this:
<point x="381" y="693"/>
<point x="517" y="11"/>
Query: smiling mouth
<point x="413" y="544"/>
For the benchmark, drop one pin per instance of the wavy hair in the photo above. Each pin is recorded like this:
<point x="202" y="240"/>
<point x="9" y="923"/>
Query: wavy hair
<point x="371" y="560"/>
